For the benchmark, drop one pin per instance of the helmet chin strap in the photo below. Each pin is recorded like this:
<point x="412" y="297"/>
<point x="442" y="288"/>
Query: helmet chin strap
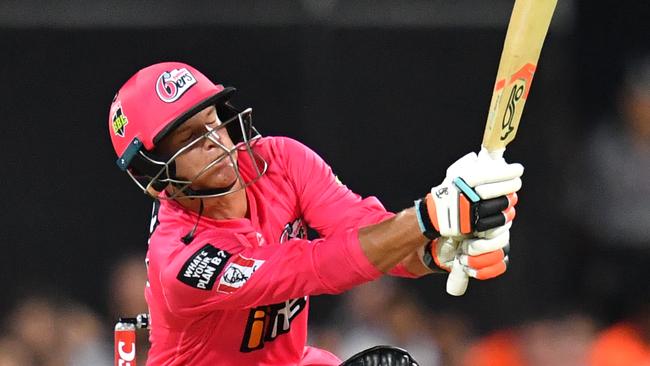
<point x="187" y="239"/>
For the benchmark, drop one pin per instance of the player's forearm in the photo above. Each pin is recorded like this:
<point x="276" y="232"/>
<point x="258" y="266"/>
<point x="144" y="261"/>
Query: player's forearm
<point x="390" y="242"/>
<point x="413" y="263"/>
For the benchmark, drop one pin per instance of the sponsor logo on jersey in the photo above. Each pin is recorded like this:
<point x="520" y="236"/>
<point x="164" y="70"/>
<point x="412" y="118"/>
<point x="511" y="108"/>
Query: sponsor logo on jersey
<point x="293" y="230"/>
<point x="171" y="85"/>
<point x="203" y="268"/>
<point x="266" y="323"/>
<point x="237" y="273"/>
<point x="119" y="120"/>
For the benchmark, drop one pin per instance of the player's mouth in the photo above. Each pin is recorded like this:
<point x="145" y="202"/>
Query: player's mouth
<point x="222" y="161"/>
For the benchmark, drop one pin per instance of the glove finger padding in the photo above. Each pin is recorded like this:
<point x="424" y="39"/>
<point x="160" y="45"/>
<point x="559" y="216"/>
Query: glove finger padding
<point x="493" y="233"/>
<point x="471" y="214"/>
<point x="501" y="188"/>
<point x="480" y="246"/>
<point x="486" y="273"/>
<point x="482" y="169"/>
<point x="491" y="222"/>
<point x="492" y="171"/>
<point x="483" y="260"/>
<point x="486" y="257"/>
<point x="495" y="205"/>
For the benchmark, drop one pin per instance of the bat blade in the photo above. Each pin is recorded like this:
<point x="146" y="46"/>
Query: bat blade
<point x="527" y="30"/>
<point x="525" y="36"/>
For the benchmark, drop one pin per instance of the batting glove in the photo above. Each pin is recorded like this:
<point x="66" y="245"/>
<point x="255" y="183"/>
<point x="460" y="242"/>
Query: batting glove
<point x="482" y="257"/>
<point x="478" y="194"/>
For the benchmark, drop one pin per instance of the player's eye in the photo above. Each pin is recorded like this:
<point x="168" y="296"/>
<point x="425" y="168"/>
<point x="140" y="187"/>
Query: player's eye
<point x="214" y="124"/>
<point x="189" y="136"/>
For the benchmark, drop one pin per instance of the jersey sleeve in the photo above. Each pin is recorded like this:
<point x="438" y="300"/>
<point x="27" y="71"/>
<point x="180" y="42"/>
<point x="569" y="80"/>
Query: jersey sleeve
<point x="327" y="205"/>
<point x="217" y="275"/>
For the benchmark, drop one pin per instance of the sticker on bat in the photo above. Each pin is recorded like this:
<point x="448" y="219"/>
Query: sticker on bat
<point x="506" y="123"/>
<point x="520" y="81"/>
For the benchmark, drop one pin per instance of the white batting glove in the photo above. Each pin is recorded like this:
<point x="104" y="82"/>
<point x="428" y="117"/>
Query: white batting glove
<point x="486" y="256"/>
<point x="481" y="257"/>
<point x="440" y="253"/>
<point x="477" y="194"/>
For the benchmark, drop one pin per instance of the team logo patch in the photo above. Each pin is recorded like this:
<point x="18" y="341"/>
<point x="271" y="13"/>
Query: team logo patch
<point x="293" y="230"/>
<point x="119" y="120"/>
<point x="203" y="268"/>
<point x="171" y="85"/>
<point x="237" y="273"/>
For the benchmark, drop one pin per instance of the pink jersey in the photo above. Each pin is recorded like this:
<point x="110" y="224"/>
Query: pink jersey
<point x="238" y="294"/>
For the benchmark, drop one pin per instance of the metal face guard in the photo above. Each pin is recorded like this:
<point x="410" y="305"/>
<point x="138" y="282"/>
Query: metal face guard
<point x="244" y="136"/>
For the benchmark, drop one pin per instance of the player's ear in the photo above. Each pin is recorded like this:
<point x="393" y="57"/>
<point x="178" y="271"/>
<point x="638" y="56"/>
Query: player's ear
<point x="147" y="165"/>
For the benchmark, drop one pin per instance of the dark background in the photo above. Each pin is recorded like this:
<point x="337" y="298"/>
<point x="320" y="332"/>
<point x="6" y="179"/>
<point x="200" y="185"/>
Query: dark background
<point x="388" y="106"/>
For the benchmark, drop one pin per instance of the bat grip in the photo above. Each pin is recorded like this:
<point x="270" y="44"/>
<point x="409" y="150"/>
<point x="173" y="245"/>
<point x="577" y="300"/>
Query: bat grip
<point x="496" y="154"/>
<point x="458" y="280"/>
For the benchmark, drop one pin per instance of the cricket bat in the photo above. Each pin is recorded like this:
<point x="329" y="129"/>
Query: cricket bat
<point x="527" y="29"/>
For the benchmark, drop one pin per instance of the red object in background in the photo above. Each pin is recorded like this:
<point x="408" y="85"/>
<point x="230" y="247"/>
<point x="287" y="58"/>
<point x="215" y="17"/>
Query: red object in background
<point x="620" y="344"/>
<point x="499" y="348"/>
<point x="124" y="344"/>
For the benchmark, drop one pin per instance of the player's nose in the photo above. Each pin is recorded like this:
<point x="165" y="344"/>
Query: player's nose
<point x="212" y="139"/>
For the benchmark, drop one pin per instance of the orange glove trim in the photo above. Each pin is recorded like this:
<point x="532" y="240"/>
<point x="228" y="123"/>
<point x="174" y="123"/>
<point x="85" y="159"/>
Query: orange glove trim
<point x="486" y="260"/>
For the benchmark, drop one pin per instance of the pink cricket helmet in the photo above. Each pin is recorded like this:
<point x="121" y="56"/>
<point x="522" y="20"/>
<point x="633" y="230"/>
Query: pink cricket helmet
<point x="156" y="100"/>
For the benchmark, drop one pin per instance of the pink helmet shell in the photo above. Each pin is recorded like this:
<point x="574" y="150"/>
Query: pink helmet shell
<point x="156" y="100"/>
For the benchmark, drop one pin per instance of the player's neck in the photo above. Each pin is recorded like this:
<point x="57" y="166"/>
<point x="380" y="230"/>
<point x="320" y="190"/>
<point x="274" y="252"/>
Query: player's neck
<point x="230" y="206"/>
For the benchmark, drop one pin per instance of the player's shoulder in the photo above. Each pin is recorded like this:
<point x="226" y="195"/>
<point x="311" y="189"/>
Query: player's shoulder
<point x="281" y="151"/>
<point x="197" y="264"/>
<point x="200" y="264"/>
<point x="281" y="143"/>
<point x="170" y="240"/>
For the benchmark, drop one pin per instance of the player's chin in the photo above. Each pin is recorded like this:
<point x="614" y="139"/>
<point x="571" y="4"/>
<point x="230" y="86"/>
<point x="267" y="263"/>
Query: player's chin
<point x="223" y="177"/>
<point x="224" y="167"/>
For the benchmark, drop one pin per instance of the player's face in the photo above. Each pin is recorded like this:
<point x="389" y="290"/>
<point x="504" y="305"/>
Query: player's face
<point x="191" y="164"/>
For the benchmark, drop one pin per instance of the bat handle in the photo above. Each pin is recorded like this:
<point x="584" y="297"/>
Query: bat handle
<point x="458" y="280"/>
<point x="496" y="154"/>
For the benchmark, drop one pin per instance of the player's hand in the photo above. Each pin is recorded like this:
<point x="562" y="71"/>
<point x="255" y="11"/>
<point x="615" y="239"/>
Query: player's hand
<point x="482" y="257"/>
<point x="478" y="194"/>
<point x="486" y="255"/>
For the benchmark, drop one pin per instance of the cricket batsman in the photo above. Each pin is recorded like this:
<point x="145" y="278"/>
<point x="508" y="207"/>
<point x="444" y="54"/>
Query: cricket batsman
<point x="230" y="269"/>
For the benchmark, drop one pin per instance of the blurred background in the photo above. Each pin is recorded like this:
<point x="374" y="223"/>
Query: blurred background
<point x="389" y="93"/>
